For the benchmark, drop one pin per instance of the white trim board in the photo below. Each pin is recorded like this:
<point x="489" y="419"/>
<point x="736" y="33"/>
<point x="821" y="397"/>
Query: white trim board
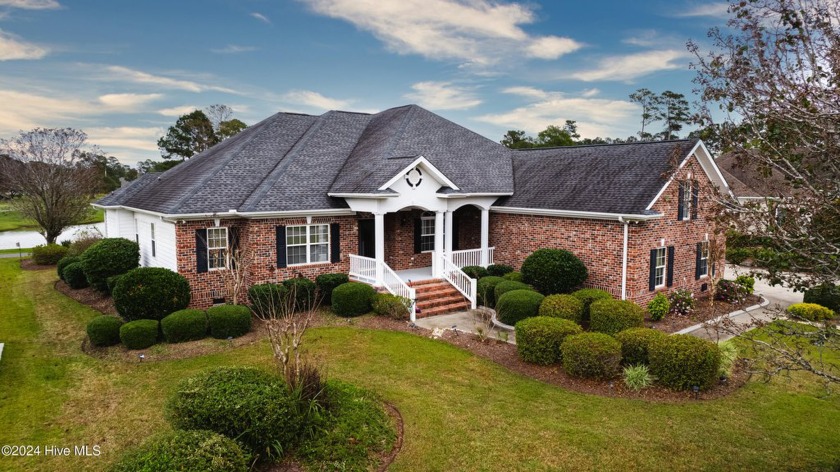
<point x="706" y="163"/>
<point x="428" y="165"/>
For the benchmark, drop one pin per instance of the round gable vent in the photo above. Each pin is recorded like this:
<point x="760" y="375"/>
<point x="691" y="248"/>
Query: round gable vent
<point x="414" y="177"/>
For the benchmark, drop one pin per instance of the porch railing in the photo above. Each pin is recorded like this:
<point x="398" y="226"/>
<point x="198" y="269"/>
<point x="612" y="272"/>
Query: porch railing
<point x="365" y="269"/>
<point x="461" y="281"/>
<point x="471" y="257"/>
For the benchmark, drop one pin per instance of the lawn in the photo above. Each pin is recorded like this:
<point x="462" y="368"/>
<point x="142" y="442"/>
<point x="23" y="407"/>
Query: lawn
<point x="460" y="412"/>
<point x="11" y="220"/>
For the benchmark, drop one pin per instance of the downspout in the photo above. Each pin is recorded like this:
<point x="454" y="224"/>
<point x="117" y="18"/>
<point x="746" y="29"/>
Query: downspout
<point x="624" y="259"/>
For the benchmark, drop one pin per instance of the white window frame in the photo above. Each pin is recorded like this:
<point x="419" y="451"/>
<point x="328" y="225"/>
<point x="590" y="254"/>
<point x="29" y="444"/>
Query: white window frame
<point x="311" y="230"/>
<point x="663" y="268"/>
<point x="687" y="198"/>
<point x="210" y="247"/>
<point x="154" y="246"/>
<point x="427" y="222"/>
<point x="704" y="259"/>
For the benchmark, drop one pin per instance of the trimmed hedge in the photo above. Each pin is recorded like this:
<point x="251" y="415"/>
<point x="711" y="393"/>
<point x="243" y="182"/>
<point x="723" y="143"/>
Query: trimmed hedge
<point x="553" y="271"/>
<point x="810" y="311"/>
<point x="229" y="321"/>
<point x="304" y="292"/>
<point x="248" y="404"/>
<point x="591" y="355"/>
<point x="507" y="286"/>
<point x="104" y="330"/>
<point x="635" y="344"/>
<point x="139" y="334"/>
<point x="562" y="306"/>
<point x="64" y="262"/>
<point x="682" y="361"/>
<point x="517" y="305"/>
<point x="326" y="283"/>
<point x="109" y="257"/>
<point x="589" y="295"/>
<point x="267" y="299"/>
<point x="48" y="254"/>
<point x="486" y="288"/>
<point x="515" y="276"/>
<point x="475" y="272"/>
<point x="826" y="295"/>
<point x="184" y="325"/>
<point x="186" y="451"/>
<point x="499" y="270"/>
<point x="612" y="316"/>
<point x="150" y="293"/>
<point x="538" y="339"/>
<point x="392" y="306"/>
<point x="352" y="299"/>
<point x="74" y="275"/>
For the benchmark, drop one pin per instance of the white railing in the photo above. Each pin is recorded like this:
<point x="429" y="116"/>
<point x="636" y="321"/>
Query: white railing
<point x="612" y="290"/>
<point x="471" y="257"/>
<point x="365" y="270"/>
<point x="461" y="281"/>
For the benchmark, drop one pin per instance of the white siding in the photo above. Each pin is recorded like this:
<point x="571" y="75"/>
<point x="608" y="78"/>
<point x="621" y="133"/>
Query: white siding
<point x="121" y="224"/>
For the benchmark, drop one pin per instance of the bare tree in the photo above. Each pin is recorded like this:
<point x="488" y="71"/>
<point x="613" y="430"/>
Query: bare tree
<point x="45" y="167"/>
<point x="218" y="114"/>
<point x="650" y="109"/>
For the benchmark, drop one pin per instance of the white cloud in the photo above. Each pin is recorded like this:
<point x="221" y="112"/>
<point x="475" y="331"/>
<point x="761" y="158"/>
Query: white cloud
<point x="717" y="10"/>
<point x="233" y="49"/>
<point x="314" y="100"/>
<point x="530" y="92"/>
<point x="261" y="17"/>
<point x="12" y="47"/>
<point x="125" y="137"/>
<point x="443" y="96"/>
<point x="633" y="65"/>
<point x="128" y="100"/>
<point x="31" y="4"/>
<point x="178" y="111"/>
<point x="479" y="32"/>
<point x="135" y="76"/>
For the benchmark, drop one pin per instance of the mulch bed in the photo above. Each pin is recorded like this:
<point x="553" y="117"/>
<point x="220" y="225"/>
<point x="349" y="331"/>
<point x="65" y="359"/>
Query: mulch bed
<point x="29" y="264"/>
<point x="705" y="310"/>
<point x="89" y="296"/>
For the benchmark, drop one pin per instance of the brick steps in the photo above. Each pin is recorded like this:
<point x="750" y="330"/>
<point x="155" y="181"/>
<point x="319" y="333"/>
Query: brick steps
<point x="436" y="297"/>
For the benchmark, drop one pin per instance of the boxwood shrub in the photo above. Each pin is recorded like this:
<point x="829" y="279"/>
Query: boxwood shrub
<point x="515" y="276"/>
<point x="499" y="270"/>
<point x="112" y="282"/>
<point x="150" y="293"/>
<point x="104" y="330"/>
<point x="108" y="257"/>
<point x="326" y="283"/>
<point x="826" y="295"/>
<point x="810" y="311"/>
<point x="248" y="404"/>
<point x="589" y="295"/>
<point x="682" y="361"/>
<point x="392" y="306"/>
<point x="612" y="316"/>
<point x="658" y="307"/>
<point x="229" y="321"/>
<point x="139" y="334"/>
<point x="74" y="275"/>
<point x="538" y="339"/>
<point x="186" y="451"/>
<point x="507" y="286"/>
<point x="48" y="254"/>
<point x="553" y="271"/>
<point x="352" y="299"/>
<point x="304" y="292"/>
<point x="184" y="325"/>
<point x="635" y="343"/>
<point x="591" y="355"/>
<point x="475" y="272"/>
<point x="562" y="306"/>
<point x="267" y="300"/>
<point x="486" y="288"/>
<point x="517" y="305"/>
<point x="64" y="262"/>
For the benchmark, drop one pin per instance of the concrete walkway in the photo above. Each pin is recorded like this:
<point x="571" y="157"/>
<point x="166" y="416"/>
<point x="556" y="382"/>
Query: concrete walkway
<point x="466" y="322"/>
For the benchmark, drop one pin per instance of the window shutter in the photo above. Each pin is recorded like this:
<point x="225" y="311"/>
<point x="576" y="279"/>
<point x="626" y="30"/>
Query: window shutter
<point x="418" y="231"/>
<point x="281" y="246"/>
<point x="456" y="233"/>
<point x="335" y="243"/>
<point x="695" y="197"/>
<point x="201" y="250"/>
<point x="652" y="284"/>
<point x="670" y="269"/>
<point x="697" y="261"/>
<point x="680" y="201"/>
<point x="233" y="245"/>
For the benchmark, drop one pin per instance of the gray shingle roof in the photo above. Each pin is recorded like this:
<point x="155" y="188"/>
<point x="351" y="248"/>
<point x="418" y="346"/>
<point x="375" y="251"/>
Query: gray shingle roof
<point x="746" y="180"/>
<point x="617" y="178"/>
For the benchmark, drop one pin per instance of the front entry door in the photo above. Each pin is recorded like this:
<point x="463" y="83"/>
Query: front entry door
<point x="367" y="238"/>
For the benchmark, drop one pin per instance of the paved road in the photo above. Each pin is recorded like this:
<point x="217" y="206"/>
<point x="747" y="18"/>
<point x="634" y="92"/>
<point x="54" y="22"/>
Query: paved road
<point x="13" y="255"/>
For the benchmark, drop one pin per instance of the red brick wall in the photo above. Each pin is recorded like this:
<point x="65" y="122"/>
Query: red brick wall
<point x="399" y="241"/>
<point x="469" y="227"/>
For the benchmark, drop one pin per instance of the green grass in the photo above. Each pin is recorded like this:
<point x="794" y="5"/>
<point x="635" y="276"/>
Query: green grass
<point x="460" y="412"/>
<point x="11" y="220"/>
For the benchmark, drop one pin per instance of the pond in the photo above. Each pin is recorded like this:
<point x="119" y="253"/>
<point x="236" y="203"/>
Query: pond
<point x="9" y="239"/>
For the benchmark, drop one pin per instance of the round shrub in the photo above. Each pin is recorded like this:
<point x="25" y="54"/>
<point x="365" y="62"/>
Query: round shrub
<point x="104" y="330"/>
<point x="635" y="343"/>
<point x="515" y="276"/>
<point x="682" y="361"/>
<point x="612" y="316"/>
<point x="486" y="287"/>
<point x="475" y="272"/>
<point x="186" y="451"/>
<point x="74" y="275"/>
<point x="229" y="321"/>
<point x="108" y="257"/>
<point x="747" y="282"/>
<point x="538" y="339"/>
<point x="810" y="311"/>
<point x="517" y="305"/>
<point x="509" y="285"/>
<point x="658" y="307"/>
<point x="589" y="295"/>
<point x="498" y="270"/>
<point x="326" y="283"/>
<point x="49" y="254"/>
<point x="112" y="282"/>
<point x="562" y="306"/>
<point x="553" y="271"/>
<point x="826" y="295"/>
<point x="392" y="306"/>
<point x="248" y="404"/>
<point x="184" y="325"/>
<point x="150" y="293"/>
<point x="139" y="334"/>
<point x="591" y="355"/>
<point x="303" y="291"/>
<point x="729" y="291"/>
<point x="64" y="262"/>
<point x="352" y="299"/>
<point x="267" y="299"/>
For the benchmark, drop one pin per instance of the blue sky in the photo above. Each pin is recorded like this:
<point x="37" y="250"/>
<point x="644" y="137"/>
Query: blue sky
<point x="123" y="71"/>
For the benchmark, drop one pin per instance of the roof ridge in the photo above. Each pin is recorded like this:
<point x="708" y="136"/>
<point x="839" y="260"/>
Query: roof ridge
<point x="578" y="146"/>
<point x="392" y="145"/>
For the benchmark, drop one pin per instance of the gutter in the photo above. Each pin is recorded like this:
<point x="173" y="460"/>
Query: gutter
<point x="589" y="215"/>
<point x="234" y="213"/>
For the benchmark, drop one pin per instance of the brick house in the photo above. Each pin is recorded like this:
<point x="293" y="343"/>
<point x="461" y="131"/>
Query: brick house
<point x="405" y="196"/>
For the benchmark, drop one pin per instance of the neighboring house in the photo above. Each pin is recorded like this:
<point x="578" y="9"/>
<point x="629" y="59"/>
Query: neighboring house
<point x="748" y="184"/>
<point x="405" y="195"/>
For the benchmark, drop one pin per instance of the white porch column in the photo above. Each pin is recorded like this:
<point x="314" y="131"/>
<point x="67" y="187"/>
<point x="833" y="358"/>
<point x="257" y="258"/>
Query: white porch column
<point x="447" y="233"/>
<point x="379" y="232"/>
<point x="438" y="243"/>
<point x="485" y="237"/>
